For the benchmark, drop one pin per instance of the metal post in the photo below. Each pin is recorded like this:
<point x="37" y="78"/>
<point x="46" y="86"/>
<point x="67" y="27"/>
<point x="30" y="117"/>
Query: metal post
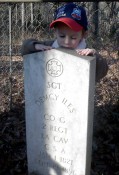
<point x="10" y="54"/>
<point x="31" y="4"/>
<point x="16" y="11"/>
<point x="22" y="19"/>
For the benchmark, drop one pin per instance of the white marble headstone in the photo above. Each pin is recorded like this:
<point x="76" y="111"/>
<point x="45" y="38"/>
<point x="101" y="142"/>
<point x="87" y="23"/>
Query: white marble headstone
<point x="59" y="102"/>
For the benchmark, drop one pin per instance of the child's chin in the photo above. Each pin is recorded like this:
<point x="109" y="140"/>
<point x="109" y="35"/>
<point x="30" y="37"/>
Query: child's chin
<point x="67" y="47"/>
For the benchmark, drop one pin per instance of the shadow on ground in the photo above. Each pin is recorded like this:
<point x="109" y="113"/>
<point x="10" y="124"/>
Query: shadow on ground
<point x="105" y="154"/>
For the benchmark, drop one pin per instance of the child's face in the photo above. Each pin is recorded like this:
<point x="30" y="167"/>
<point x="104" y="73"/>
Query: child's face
<point x="66" y="37"/>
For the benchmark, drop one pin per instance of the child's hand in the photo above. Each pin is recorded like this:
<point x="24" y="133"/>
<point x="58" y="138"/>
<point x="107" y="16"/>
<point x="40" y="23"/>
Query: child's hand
<point x="86" y="52"/>
<point x="42" y="47"/>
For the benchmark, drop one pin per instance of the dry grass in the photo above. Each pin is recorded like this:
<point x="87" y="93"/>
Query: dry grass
<point x="105" y="155"/>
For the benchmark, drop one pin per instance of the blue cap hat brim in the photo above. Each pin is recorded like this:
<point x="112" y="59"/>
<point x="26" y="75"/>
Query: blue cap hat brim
<point x="69" y="22"/>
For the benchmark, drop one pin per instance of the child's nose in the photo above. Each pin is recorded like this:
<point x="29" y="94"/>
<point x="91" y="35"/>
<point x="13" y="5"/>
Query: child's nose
<point x="67" y="41"/>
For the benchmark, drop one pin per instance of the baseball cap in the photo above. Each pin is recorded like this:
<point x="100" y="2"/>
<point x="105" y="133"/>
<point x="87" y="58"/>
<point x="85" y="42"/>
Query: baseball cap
<point x="72" y="15"/>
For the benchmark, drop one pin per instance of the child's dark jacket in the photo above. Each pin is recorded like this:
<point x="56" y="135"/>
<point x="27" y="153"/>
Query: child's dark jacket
<point x="28" y="47"/>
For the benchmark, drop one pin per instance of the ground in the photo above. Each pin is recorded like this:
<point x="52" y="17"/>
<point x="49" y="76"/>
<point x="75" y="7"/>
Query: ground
<point x="105" y="148"/>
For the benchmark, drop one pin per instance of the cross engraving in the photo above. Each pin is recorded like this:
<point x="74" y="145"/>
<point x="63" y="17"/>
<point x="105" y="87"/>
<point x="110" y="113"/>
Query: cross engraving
<point x="54" y="67"/>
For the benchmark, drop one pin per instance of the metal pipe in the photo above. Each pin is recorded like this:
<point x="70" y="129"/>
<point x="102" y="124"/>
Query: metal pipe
<point x="22" y="19"/>
<point x="10" y="55"/>
<point x="31" y="5"/>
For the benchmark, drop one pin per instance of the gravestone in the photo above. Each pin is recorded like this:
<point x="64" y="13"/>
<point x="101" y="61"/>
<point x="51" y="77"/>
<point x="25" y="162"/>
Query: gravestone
<point x="59" y="102"/>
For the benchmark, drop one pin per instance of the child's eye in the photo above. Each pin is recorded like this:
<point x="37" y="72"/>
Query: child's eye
<point x="73" y="38"/>
<point x="62" y="36"/>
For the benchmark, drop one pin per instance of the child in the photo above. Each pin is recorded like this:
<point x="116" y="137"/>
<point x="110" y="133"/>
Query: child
<point x="70" y="26"/>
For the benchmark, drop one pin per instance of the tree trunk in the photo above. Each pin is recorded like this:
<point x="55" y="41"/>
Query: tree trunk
<point x="95" y="19"/>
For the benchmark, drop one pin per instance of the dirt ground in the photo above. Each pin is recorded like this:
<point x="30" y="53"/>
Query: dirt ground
<point x="105" y="150"/>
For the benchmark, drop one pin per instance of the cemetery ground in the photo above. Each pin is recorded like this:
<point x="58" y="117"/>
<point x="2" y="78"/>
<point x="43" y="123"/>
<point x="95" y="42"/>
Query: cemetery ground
<point x="105" y="150"/>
